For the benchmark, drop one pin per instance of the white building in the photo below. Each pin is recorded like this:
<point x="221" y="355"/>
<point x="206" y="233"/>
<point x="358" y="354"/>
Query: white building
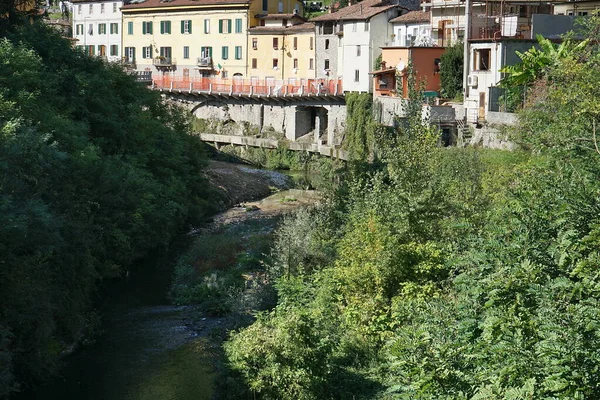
<point x="412" y="29"/>
<point x="363" y="28"/>
<point x="488" y="56"/>
<point x="97" y="27"/>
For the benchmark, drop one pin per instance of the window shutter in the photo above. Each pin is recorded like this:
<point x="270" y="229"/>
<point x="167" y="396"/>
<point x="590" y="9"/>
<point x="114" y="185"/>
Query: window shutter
<point x="220" y="26"/>
<point x="150" y="27"/>
<point x="229" y="26"/>
<point x="144" y="30"/>
<point x="168" y="26"/>
<point x="182" y="26"/>
<point x="190" y="26"/>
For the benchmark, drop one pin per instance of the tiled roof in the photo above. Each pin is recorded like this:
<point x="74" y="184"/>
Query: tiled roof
<point x="265" y="30"/>
<point x="413" y="16"/>
<point x="135" y="4"/>
<point x="359" y="11"/>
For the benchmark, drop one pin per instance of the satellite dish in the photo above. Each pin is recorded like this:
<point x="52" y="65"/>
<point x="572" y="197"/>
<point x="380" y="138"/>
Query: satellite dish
<point x="400" y="67"/>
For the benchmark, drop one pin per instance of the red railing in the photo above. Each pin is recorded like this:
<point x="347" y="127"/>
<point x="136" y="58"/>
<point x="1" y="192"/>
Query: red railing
<point x="258" y="87"/>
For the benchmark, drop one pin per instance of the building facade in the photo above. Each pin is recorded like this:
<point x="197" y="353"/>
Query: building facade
<point x="362" y="28"/>
<point x="97" y="28"/>
<point x="412" y="29"/>
<point x="193" y="38"/>
<point x="282" y="48"/>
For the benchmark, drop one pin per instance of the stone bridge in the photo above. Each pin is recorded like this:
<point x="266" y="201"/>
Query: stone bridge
<point x="313" y="114"/>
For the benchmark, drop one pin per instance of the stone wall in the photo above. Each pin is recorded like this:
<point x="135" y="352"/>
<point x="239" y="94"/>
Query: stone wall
<point x="242" y="117"/>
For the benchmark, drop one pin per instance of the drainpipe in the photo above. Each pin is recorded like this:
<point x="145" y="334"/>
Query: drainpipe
<point x="466" y="53"/>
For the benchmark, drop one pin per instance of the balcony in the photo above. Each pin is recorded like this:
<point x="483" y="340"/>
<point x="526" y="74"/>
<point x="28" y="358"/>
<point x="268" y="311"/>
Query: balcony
<point x="204" y="63"/>
<point x="163" y="62"/>
<point x="128" y="62"/>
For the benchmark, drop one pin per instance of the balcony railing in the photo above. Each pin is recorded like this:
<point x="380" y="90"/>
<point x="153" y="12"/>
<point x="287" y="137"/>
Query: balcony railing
<point x="250" y="87"/>
<point x="163" y="62"/>
<point x="204" y="62"/>
<point x="129" y="62"/>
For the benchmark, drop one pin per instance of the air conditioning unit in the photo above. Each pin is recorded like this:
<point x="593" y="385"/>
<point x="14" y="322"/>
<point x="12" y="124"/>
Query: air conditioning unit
<point x="472" y="80"/>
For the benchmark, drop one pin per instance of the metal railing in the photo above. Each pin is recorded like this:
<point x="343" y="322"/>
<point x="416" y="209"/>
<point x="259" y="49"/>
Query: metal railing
<point x="163" y="61"/>
<point x="250" y="87"/>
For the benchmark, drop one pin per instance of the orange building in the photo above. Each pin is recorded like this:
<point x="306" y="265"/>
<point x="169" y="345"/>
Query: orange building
<point x="394" y="63"/>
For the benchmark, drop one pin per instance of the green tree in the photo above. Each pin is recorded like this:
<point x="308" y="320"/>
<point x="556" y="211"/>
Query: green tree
<point x="451" y="71"/>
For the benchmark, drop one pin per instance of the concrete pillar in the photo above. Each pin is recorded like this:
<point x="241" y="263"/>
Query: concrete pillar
<point x="317" y="127"/>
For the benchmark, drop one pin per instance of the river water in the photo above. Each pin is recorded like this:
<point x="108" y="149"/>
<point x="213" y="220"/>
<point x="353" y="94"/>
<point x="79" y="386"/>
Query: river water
<point x="150" y="349"/>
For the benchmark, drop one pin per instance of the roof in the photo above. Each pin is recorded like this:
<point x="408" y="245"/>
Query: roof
<point x="359" y="11"/>
<point x="283" y="30"/>
<point x="413" y="16"/>
<point x="135" y="4"/>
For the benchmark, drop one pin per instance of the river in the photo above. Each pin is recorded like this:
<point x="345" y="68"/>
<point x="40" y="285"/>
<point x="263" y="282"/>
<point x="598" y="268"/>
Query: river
<point x="151" y="349"/>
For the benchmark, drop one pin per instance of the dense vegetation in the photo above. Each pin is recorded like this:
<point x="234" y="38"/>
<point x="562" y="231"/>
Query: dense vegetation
<point x="446" y="273"/>
<point x="451" y="71"/>
<point x="95" y="170"/>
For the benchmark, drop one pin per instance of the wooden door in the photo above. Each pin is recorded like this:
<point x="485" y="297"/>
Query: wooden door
<point x="482" y="105"/>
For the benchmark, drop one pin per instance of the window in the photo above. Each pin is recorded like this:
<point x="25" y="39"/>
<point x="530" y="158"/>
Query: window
<point x="101" y="8"/>
<point x="225" y="52"/>
<point x="147" y="27"/>
<point x="101" y="29"/>
<point x="79" y="9"/>
<point x="280" y="7"/>
<point x="224" y="26"/>
<point x="326" y="66"/>
<point x="91" y="9"/>
<point x="275" y="43"/>
<point x="311" y="64"/>
<point x="207" y="26"/>
<point x="295" y="63"/>
<point x="186" y="26"/>
<point x="91" y="29"/>
<point x="114" y="28"/>
<point x="238" y="25"/>
<point x="356" y="75"/>
<point x="101" y="50"/>
<point x="328" y="28"/>
<point x="366" y="26"/>
<point x="114" y="50"/>
<point x="147" y="52"/>
<point x="354" y="24"/>
<point x="238" y="52"/>
<point x="130" y="54"/>
<point x="358" y="50"/>
<point x="165" y="52"/>
<point x="295" y="43"/>
<point x="114" y="7"/>
<point x="165" y="27"/>
<point x="326" y="44"/>
<point x="79" y="29"/>
<point x="254" y="63"/>
<point x="265" y="4"/>
<point x="91" y="50"/>
<point x="224" y="74"/>
<point x="186" y="52"/>
<point x="275" y="63"/>
<point x="481" y="60"/>
<point x="206" y="51"/>
<point x="311" y="43"/>
<point x="254" y="43"/>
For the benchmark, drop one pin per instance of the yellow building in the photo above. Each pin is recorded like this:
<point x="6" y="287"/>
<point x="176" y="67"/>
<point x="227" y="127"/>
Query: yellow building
<point x="192" y="38"/>
<point x="282" y="47"/>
